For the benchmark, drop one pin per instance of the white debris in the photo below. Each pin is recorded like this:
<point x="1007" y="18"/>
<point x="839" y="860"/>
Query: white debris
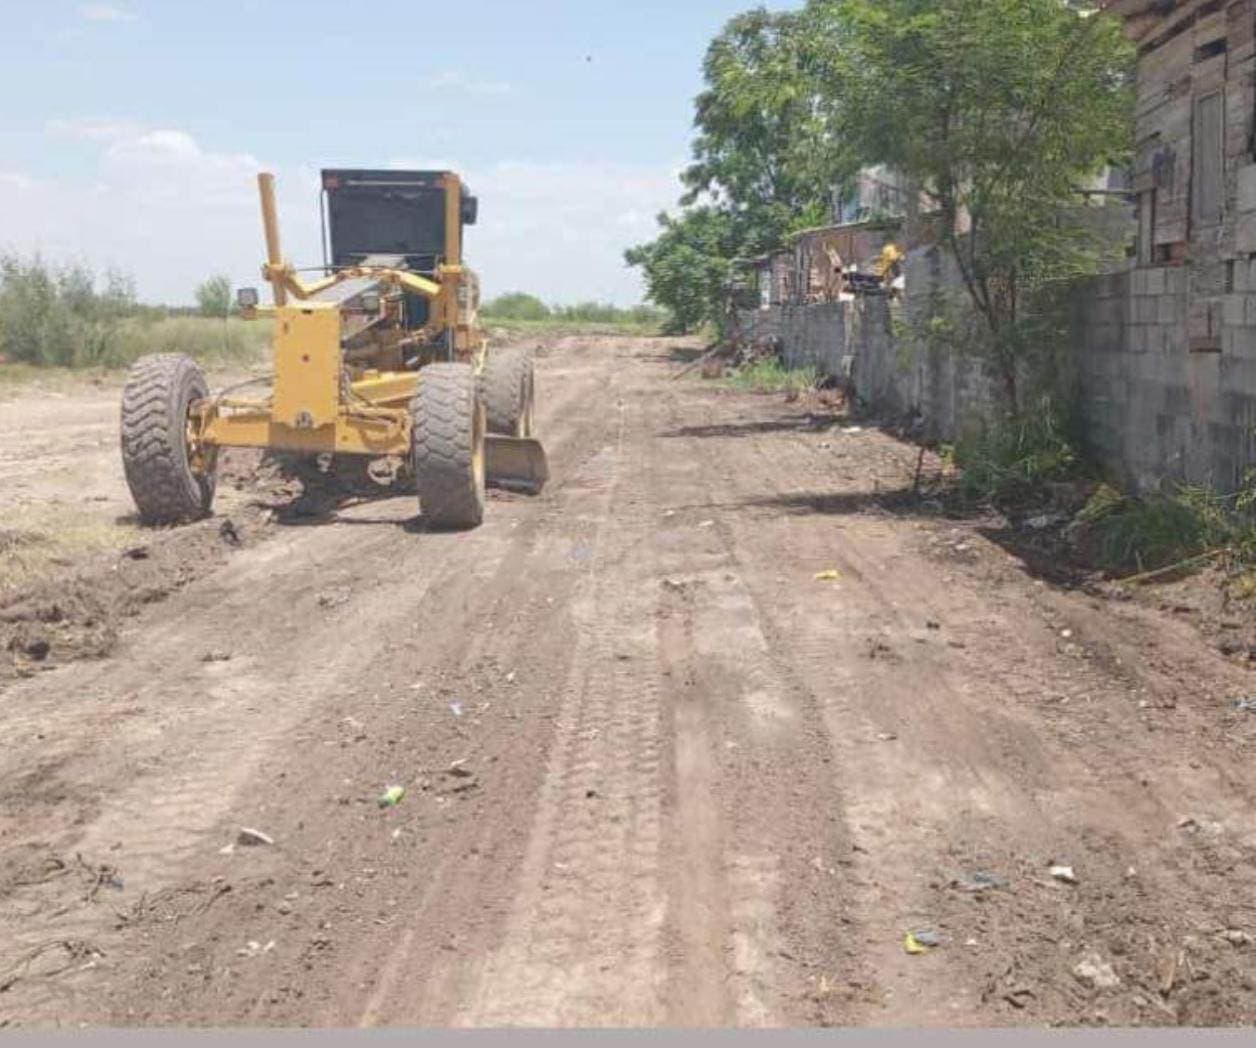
<point x="1092" y="970"/>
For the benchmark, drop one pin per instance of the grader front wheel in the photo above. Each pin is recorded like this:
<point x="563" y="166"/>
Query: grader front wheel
<point x="506" y="384"/>
<point x="169" y="481"/>
<point x="449" y="425"/>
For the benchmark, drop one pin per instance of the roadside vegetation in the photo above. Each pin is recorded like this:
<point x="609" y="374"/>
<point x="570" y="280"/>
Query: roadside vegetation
<point x="1011" y="458"/>
<point x="523" y="312"/>
<point x="67" y="317"/>
<point x="1183" y="528"/>
<point x="996" y="109"/>
<point x="769" y="375"/>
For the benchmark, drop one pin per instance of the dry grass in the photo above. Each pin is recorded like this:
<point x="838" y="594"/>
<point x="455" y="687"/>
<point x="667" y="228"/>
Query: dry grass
<point x="40" y="539"/>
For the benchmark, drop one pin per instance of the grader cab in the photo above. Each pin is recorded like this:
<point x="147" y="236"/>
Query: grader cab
<point x="380" y="359"/>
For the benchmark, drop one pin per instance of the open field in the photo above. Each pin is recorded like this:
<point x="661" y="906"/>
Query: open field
<point x="696" y="737"/>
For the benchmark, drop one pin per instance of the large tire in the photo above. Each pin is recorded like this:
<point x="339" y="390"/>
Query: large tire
<point x="448" y="430"/>
<point x="506" y="384"/>
<point x="166" y="488"/>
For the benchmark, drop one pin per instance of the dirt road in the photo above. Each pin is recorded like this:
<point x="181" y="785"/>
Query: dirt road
<point x="657" y="772"/>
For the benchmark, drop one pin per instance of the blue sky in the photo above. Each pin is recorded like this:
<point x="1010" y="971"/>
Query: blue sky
<point x="132" y="130"/>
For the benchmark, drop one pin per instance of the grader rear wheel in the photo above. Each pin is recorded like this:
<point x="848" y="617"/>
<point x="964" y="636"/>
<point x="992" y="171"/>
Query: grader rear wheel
<point x="448" y="426"/>
<point x="168" y="480"/>
<point x="506" y="384"/>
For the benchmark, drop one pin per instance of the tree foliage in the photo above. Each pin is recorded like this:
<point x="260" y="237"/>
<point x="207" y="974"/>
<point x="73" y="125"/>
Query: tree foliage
<point x="688" y="265"/>
<point x="61" y="316"/>
<point x="515" y="305"/>
<point x="998" y="110"/>
<point x="213" y="297"/>
<point x="763" y="164"/>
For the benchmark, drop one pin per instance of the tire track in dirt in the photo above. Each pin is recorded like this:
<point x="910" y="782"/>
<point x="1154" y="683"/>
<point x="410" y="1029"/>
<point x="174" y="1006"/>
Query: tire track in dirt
<point x="980" y="784"/>
<point x="581" y="943"/>
<point x="704" y="787"/>
<point x="192" y="769"/>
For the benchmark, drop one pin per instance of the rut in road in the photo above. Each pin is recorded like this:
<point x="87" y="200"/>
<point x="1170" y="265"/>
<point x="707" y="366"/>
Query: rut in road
<point x="657" y="771"/>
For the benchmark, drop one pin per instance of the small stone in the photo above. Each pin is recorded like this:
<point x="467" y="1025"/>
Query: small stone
<point x="253" y="838"/>
<point x="1092" y="970"/>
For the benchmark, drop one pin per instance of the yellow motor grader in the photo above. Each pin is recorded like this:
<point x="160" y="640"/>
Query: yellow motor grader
<point x="380" y="359"/>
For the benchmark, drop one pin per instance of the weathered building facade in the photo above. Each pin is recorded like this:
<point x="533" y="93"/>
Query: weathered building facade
<point x="1167" y="350"/>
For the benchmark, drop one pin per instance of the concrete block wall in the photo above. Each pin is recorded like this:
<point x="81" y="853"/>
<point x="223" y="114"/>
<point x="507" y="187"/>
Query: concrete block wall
<point x="815" y="336"/>
<point x="1154" y="412"/>
<point x="897" y="373"/>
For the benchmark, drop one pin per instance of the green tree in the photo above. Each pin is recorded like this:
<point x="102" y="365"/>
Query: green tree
<point x="762" y="149"/>
<point x="213" y="297"/>
<point x="764" y="162"/>
<point x="998" y="110"/>
<point x="688" y="265"/>
<point x="515" y="306"/>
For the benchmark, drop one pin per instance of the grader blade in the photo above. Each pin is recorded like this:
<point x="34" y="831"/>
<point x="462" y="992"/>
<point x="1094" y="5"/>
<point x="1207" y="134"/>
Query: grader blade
<point x="515" y="463"/>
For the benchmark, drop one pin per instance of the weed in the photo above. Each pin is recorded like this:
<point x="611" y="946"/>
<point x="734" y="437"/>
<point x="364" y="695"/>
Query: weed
<point x="66" y="318"/>
<point x="1162" y="530"/>
<point x="1011" y="458"/>
<point x="769" y="375"/>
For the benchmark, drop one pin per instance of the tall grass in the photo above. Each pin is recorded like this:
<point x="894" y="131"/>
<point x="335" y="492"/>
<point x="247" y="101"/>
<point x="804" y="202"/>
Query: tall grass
<point x="1011" y="458"/>
<point x="1162" y="530"/>
<point x="66" y="317"/>
<point x="769" y="375"/>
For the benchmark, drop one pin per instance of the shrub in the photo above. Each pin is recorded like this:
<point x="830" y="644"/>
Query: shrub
<point x="65" y="317"/>
<point x="214" y="297"/>
<point x="515" y="306"/>
<point x="1162" y="530"/>
<point x="769" y="375"/>
<point x="1008" y="459"/>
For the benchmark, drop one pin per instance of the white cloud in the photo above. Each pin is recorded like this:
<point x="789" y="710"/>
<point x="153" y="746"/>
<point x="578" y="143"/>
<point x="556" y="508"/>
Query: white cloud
<point x="169" y="209"/>
<point x="559" y="229"/>
<point x="459" y="83"/>
<point x="158" y="204"/>
<point x="104" y="13"/>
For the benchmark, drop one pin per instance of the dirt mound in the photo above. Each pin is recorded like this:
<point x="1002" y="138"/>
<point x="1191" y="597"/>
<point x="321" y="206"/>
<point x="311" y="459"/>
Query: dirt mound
<point x="76" y="612"/>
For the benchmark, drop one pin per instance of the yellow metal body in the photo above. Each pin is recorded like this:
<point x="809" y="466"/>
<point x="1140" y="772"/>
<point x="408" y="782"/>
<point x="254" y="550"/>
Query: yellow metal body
<point x="307" y="366"/>
<point x="333" y="391"/>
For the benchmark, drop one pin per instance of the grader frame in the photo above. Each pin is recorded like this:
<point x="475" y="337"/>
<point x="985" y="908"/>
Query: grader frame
<point x="353" y="376"/>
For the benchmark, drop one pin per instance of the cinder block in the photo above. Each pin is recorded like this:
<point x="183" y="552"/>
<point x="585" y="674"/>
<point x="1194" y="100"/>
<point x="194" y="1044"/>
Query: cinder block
<point x="1155" y="281"/>
<point x="1171" y="309"/>
<point x="1245" y="234"/>
<point x="1175" y="280"/>
<point x="1246" y="194"/>
<point x="1250" y="312"/>
<point x="1234" y="311"/>
<point x="1138" y="282"/>
<point x="1241" y="341"/>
